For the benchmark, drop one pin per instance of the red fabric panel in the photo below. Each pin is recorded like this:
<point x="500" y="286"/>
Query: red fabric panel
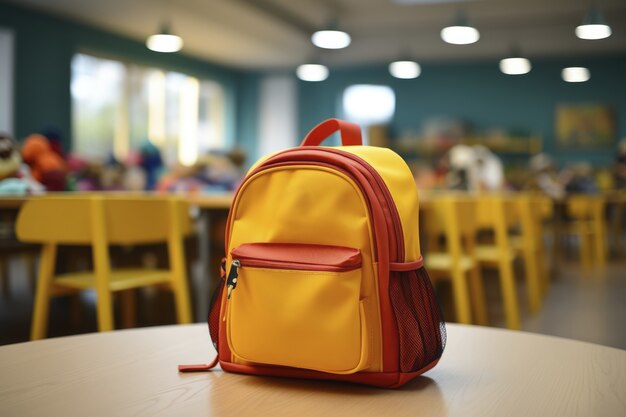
<point x="306" y="254"/>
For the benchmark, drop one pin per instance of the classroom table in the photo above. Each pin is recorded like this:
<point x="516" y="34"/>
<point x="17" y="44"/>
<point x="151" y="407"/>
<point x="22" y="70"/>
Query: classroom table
<point x="483" y="372"/>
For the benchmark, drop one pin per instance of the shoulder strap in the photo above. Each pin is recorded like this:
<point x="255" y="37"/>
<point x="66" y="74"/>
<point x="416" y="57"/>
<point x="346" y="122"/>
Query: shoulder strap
<point x="350" y="133"/>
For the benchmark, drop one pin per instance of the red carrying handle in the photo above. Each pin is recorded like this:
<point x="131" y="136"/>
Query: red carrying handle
<point x="350" y="133"/>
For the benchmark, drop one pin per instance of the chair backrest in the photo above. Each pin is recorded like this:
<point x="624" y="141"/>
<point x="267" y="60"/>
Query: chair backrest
<point x="544" y="205"/>
<point x="531" y="211"/>
<point x="123" y="219"/>
<point x="453" y="216"/>
<point x="494" y="208"/>
<point x="584" y="207"/>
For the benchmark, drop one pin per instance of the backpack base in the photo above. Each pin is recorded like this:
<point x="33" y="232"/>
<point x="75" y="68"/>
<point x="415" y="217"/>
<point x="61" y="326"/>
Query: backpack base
<point x="377" y="379"/>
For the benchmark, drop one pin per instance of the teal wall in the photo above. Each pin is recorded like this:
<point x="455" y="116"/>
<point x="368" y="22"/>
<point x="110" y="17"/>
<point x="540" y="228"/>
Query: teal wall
<point x="479" y="93"/>
<point x="248" y="115"/>
<point x="44" y="46"/>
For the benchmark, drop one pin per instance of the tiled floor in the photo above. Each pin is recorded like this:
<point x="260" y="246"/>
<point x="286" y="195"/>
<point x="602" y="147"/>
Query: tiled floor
<point x="591" y="308"/>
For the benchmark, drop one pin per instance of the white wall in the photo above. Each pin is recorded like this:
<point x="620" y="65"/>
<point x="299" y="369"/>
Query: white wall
<point x="6" y="81"/>
<point x="277" y="114"/>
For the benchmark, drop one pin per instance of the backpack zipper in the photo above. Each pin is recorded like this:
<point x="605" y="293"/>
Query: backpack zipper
<point x="233" y="274"/>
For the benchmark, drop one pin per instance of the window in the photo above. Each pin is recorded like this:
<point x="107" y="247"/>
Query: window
<point x="117" y="106"/>
<point x="277" y="113"/>
<point x="369" y="105"/>
<point x="6" y="81"/>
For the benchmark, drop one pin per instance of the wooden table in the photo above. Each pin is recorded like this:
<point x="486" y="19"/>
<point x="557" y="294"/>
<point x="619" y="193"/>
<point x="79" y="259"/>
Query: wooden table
<point x="484" y="372"/>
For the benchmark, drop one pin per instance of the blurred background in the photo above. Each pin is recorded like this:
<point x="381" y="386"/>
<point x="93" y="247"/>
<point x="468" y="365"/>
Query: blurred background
<point x="183" y="96"/>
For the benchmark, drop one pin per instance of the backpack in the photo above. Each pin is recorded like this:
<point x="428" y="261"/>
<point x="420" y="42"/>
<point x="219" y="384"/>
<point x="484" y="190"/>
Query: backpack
<point x="323" y="276"/>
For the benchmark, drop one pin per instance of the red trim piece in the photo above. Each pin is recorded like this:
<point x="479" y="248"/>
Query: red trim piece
<point x="298" y="256"/>
<point x="406" y="266"/>
<point x="350" y="133"/>
<point x="200" y="367"/>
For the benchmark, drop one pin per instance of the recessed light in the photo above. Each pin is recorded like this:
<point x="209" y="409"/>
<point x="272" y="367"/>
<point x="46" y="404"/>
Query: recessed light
<point x="575" y="74"/>
<point x="515" y="66"/>
<point x="331" y="39"/>
<point x="312" y="72"/>
<point x="405" y="69"/>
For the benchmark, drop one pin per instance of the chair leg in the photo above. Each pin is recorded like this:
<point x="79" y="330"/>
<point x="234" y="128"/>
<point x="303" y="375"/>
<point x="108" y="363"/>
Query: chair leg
<point x="104" y="309"/>
<point x="461" y="297"/>
<point x="102" y="268"/>
<point x="509" y="294"/>
<point x="177" y="264"/>
<point x="477" y="293"/>
<point x="43" y="293"/>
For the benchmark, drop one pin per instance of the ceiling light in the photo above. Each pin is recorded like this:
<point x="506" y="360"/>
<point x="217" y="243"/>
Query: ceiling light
<point x="331" y="39"/>
<point x="312" y="72"/>
<point x="164" y="41"/>
<point x="593" y="26"/>
<point x="575" y="74"/>
<point x="405" y="69"/>
<point x="515" y="66"/>
<point x="410" y="2"/>
<point x="460" y="33"/>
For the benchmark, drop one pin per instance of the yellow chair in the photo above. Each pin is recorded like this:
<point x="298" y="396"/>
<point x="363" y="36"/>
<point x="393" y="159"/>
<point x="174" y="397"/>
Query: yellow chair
<point x="100" y="220"/>
<point x="498" y="213"/>
<point x="453" y="217"/>
<point x="544" y="217"/>
<point x="530" y="245"/>
<point x="586" y="213"/>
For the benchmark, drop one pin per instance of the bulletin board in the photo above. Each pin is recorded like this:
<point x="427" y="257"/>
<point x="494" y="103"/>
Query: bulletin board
<point x="585" y="126"/>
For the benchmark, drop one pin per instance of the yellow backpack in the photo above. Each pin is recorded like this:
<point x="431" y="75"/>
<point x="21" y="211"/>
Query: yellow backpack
<point x="325" y="278"/>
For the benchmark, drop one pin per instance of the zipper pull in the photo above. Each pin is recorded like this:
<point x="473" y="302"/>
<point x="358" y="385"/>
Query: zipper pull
<point x="231" y="281"/>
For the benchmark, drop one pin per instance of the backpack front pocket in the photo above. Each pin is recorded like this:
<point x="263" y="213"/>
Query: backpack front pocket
<point x="297" y="305"/>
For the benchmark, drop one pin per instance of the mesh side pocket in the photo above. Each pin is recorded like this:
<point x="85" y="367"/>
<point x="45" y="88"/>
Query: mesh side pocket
<point x="214" y="313"/>
<point x="421" y="329"/>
